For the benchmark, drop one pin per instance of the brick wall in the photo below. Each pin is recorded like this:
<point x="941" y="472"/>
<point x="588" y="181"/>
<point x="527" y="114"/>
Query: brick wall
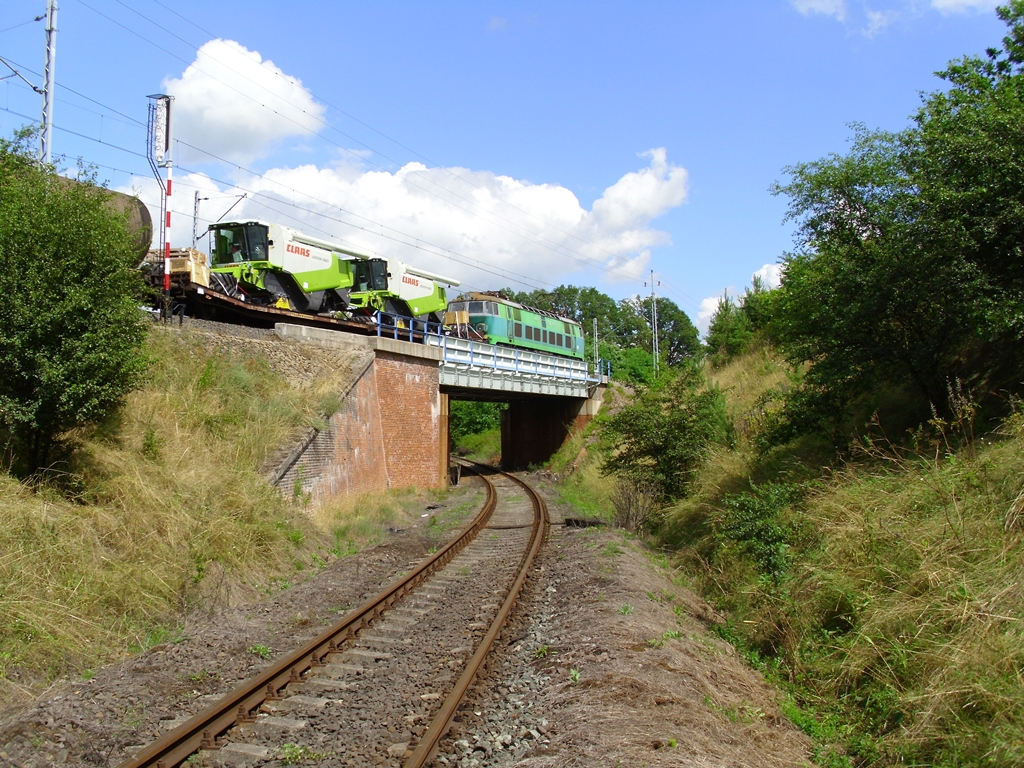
<point x="390" y="431"/>
<point x="410" y="412"/>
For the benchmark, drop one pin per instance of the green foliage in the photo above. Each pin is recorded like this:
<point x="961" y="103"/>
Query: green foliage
<point x="70" y="332"/>
<point x="754" y="521"/>
<point x="887" y="606"/>
<point x="664" y="435"/>
<point x="472" y="418"/>
<point x="631" y="364"/>
<point x="908" y="272"/>
<point x="729" y="332"/>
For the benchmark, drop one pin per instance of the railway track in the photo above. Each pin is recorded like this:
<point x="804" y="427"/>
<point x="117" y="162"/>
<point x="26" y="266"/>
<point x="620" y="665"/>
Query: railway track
<point x="383" y="685"/>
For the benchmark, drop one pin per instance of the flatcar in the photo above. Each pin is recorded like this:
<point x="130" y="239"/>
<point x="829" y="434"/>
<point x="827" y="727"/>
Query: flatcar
<point x="497" y="320"/>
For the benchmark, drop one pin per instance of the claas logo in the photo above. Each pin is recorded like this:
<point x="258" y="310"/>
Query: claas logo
<point x="297" y="249"/>
<point x="410" y="280"/>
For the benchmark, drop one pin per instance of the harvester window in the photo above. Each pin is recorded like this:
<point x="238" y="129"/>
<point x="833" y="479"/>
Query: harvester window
<point x="256" y="237"/>
<point x="239" y="242"/>
<point x="371" y="275"/>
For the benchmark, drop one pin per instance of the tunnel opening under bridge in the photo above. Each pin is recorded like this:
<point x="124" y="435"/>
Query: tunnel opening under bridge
<point x="532" y="428"/>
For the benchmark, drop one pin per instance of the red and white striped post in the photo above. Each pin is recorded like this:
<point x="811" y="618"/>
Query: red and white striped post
<point x="160" y="138"/>
<point x="167" y="239"/>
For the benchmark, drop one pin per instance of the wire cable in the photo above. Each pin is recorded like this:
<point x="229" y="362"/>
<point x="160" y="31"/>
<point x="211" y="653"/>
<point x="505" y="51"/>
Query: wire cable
<point x="559" y="248"/>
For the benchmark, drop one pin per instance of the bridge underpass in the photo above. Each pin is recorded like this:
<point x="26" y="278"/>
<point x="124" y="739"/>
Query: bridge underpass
<point x="392" y="428"/>
<point x="548" y="396"/>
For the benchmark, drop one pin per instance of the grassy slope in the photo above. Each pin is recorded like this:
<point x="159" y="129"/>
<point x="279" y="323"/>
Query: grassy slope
<point x="166" y="503"/>
<point x="897" y="624"/>
<point x="897" y="629"/>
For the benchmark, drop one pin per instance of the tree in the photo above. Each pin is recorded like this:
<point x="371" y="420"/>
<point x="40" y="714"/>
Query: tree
<point x="70" y="329"/>
<point x="665" y="434"/>
<point x="678" y="338"/>
<point x="471" y="418"/>
<point x="970" y="176"/>
<point x="729" y="332"/>
<point x="909" y="271"/>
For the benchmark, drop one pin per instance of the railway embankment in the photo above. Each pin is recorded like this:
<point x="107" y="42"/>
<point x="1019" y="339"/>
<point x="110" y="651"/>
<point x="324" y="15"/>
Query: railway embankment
<point x="165" y="508"/>
<point x="878" y="588"/>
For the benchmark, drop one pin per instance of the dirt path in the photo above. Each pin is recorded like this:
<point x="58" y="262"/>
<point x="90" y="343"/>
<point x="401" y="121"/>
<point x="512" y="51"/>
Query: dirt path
<point x="607" y="663"/>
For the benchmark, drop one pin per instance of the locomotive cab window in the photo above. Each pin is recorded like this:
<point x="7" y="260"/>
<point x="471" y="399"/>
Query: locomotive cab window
<point x="483" y="308"/>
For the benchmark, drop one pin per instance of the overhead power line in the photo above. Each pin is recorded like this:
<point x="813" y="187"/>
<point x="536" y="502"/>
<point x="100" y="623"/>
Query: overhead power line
<point x="537" y="238"/>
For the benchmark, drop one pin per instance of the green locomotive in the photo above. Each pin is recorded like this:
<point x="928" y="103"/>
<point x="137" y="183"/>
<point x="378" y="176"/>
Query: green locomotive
<point x="497" y="320"/>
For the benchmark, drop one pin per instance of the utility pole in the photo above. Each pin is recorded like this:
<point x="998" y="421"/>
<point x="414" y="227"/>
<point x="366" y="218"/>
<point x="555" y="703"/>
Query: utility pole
<point x="45" y="135"/>
<point x="195" y="219"/>
<point x="654" y="325"/>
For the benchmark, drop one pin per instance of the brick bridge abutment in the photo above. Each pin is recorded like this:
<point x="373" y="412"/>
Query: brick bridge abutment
<point x="391" y="429"/>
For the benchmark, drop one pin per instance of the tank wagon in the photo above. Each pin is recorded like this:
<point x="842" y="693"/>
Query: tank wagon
<point x="273" y="265"/>
<point x="497" y="320"/>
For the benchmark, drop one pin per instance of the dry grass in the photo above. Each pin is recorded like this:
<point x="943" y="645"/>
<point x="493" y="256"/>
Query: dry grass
<point x="164" y="494"/>
<point x="900" y="621"/>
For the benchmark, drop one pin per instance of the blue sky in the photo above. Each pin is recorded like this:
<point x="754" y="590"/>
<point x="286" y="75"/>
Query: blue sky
<point x="503" y="143"/>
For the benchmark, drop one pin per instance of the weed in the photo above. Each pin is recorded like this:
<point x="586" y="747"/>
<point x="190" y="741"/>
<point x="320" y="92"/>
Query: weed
<point x="611" y="549"/>
<point x="574" y="676"/>
<point x="541" y="652"/>
<point x="259" y="650"/>
<point x="151" y="444"/>
<point x="294" y="753"/>
<point x="88" y="674"/>
<point x="625" y="609"/>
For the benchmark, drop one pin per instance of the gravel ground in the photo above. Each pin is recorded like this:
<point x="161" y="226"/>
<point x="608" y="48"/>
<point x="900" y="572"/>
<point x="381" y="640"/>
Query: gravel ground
<point x="610" y="663"/>
<point x="607" y="662"/>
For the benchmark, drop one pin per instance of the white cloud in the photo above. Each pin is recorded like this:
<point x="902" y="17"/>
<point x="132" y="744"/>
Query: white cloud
<point x="233" y="103"/>
<point x="771" y="274"/>
<point x="508" y="227"/>
<point x="963" y="6"/>
<point x="835" y="8"/>
<point x="705" y="313"/>
<point x="709" y="306"/>
<point x="879" y="20"/>
<point x="496" y="23"/>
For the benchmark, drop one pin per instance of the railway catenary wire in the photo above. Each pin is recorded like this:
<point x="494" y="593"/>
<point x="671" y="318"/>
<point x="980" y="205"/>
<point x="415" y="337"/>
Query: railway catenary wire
<point x="384" y="683"/>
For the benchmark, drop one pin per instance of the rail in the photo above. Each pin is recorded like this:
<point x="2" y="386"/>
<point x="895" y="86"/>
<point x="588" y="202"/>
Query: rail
<point x="239" y="706"/>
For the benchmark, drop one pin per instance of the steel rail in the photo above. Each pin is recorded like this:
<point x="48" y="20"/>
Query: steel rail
<point x="202" y="730"/>
<point x="426" y="749"/>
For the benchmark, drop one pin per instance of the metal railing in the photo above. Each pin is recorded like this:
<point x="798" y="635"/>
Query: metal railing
<point x="480" y="354"/>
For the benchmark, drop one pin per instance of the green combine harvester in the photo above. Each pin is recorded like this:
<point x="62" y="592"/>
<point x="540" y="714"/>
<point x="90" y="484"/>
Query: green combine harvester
<point x="272" y="265"/>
